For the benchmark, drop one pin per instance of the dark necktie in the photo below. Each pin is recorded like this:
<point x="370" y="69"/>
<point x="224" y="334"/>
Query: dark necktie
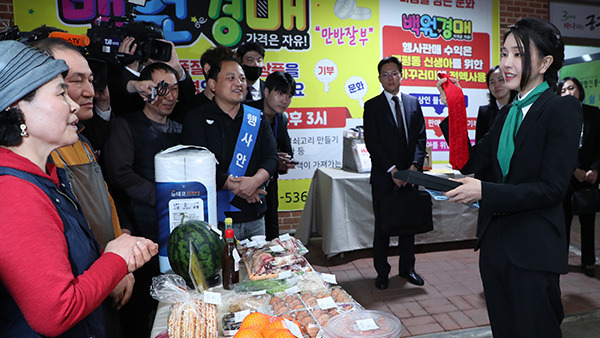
<point x="399" y="118"/>
<point x="249" y="94"/>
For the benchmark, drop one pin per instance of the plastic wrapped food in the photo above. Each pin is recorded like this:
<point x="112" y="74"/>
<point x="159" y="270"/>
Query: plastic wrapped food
<point x="250" y="302"/>
<point x="364" y="324"/>
<point x="190" y="316"/>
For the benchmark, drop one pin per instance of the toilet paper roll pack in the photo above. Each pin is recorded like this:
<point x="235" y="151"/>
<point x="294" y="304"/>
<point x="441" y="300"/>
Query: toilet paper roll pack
<point x="185" y="190"/>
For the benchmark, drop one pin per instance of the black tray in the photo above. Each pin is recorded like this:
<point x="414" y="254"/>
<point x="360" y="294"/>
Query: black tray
<point x="425" y="180"/>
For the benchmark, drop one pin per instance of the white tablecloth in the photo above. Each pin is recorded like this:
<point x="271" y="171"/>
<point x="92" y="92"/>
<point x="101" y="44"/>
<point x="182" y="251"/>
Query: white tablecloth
<point x="339" y="208"/>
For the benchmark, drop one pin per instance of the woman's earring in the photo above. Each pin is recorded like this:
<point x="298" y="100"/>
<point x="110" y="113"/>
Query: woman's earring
<point x="23" y="130"/>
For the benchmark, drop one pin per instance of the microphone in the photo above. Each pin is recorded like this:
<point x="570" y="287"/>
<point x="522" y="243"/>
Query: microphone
<point x="75" y="39"/>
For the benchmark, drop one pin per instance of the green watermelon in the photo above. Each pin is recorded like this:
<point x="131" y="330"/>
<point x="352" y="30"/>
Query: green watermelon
<point x="209" y="249"/>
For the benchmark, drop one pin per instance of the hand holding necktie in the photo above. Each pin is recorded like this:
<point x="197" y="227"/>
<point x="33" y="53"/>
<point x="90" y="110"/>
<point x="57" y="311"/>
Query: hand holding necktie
<point x="454" y="98"/>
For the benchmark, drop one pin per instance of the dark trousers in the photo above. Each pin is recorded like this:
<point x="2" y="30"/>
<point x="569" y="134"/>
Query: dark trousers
<point x="137" y="316"/>
<point x="588" y="224"/>
<point x="271" y="215"/>
<point x="520" y="302"/>
<point x="381" y="243"/>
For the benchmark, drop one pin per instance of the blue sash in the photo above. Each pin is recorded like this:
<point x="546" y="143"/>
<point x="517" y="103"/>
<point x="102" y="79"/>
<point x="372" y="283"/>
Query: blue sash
<point x="241" y="157"/>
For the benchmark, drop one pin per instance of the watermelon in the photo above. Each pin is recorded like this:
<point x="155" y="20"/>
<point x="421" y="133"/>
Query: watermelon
<point x="208" y="245"/>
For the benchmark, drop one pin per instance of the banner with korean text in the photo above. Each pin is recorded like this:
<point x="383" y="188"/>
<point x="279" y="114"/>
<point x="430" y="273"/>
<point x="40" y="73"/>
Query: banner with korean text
<point x="330" y="47"/>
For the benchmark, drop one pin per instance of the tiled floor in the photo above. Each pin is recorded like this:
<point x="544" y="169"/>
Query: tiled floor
<point x="452" y="298"/>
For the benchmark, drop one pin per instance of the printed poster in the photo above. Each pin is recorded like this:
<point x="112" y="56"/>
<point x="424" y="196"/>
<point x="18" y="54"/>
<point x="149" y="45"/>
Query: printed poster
<point x="331" y="48"/>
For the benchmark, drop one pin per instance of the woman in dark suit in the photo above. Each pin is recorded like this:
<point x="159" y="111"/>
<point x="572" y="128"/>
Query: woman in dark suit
<point x="531" y="152"/>
<point x="586" y="174"/>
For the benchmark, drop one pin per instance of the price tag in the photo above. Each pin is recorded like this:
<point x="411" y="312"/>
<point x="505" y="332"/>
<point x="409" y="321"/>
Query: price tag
<point x="258" y="293"/>
<point x="329" y="278"/>
<point x="239" y="316"/>
<point x="284" y="274"/>
<point x="212" y="297"/>
<point x="236" y="259"/>
<point x="293" y="327"/>
<point x="285" y="237"/>
<point x="326" y="303"/>
<point x="366" y="324"/>
<point x="277" y="248"/>
<point x="292" y="290"/>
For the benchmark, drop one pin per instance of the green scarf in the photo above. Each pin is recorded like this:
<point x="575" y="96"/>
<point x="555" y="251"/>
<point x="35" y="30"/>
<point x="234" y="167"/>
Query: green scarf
<point x="506" y="146"/>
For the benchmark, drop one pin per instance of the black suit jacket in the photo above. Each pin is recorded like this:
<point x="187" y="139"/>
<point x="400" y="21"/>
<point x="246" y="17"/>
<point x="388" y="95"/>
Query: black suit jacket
<point x="485" y="119"/>
<point x="527" y="208"/>
<point x="589" y="153"/>
<point x="382" y="138"/>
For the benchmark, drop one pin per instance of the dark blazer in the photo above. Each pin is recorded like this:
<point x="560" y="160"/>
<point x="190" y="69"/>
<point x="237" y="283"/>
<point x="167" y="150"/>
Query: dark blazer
<point x="527" y="208"/>
<point x="589" y="153"/>
<point x="485" y="119"/>
<point x="382" y="138"/>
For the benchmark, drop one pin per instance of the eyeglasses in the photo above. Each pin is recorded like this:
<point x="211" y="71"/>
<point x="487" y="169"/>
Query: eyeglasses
<point x="388" y="75"/>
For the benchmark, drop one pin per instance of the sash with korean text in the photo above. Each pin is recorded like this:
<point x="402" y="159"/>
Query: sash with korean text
<point x="241" y="157"/>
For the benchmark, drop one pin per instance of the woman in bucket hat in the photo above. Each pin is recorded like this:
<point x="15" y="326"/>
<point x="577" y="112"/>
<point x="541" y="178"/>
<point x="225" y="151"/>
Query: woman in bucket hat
<point x="53" y="276"/>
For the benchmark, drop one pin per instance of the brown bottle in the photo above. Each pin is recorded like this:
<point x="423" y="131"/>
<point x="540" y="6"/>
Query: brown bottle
<point x="230" y="273"/>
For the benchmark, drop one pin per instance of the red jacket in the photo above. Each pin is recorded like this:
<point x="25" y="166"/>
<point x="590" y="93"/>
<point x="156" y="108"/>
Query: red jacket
<point x="34" y="263"/>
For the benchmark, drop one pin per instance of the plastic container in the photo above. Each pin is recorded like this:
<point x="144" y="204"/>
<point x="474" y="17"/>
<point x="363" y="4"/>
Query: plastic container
<point x="357" y="324"/>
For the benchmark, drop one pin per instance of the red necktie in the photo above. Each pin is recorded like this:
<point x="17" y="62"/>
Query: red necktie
<point x="457" y="124"/>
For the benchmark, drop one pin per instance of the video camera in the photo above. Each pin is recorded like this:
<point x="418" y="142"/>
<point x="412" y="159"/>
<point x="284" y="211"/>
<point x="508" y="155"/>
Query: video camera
<point x="107" y="36"/>
<point x="98" y="67"/>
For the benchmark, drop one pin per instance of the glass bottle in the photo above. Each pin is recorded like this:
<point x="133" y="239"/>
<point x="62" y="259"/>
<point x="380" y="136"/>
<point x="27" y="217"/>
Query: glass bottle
<point x="230" y="273"/>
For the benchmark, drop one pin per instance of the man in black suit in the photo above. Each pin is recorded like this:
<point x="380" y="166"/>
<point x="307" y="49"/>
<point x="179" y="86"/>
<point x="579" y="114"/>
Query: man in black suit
<point x="395" y="137"/>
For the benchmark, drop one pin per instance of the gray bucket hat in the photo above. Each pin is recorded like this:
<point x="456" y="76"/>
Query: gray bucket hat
<point x="24" y="69"/>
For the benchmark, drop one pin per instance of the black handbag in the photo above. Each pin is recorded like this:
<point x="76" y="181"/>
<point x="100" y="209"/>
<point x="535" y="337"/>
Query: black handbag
<point x="585" y="201"/>
<point x="406" y="211"/>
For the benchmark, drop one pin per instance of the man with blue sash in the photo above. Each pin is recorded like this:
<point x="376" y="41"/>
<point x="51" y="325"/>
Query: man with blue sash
<point x="243" y="144"/>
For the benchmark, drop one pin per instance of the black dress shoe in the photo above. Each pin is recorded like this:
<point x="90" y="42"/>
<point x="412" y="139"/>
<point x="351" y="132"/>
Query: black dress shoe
<point x="381" y="282"/>
<point x="588" y="270"/>
<point x="413" y="278"/>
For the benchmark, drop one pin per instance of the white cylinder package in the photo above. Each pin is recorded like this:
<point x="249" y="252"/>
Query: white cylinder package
<point x="185" y="190"/>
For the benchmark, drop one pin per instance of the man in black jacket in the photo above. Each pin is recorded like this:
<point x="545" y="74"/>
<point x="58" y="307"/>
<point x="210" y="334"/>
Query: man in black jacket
<point x="219" y="125"/>
<point x="280" y="88"/>
<point x="129" y="152"/>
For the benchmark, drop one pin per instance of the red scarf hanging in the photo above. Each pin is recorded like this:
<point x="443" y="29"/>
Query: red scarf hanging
<point x="457" y="124"/>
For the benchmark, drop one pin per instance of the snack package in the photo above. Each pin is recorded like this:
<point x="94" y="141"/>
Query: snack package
<point x="190" y="316"/>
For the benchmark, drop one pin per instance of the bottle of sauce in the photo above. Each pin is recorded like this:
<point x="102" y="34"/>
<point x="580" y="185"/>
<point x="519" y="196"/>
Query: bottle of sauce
<point x="230" y="263"/>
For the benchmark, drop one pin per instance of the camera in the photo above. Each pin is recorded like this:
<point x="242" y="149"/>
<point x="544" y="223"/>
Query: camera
<point x="107" y="36"/>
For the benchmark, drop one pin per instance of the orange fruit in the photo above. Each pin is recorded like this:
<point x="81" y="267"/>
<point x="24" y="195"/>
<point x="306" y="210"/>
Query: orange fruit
<point x="248" y="333"/>
<point x="256" y="320"/>
<point x="284" y="333"/>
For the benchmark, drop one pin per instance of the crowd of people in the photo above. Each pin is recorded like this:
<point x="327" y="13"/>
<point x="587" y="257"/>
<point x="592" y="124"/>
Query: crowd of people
<point x="78" y="250"/>
<point x="79" y="162"/>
